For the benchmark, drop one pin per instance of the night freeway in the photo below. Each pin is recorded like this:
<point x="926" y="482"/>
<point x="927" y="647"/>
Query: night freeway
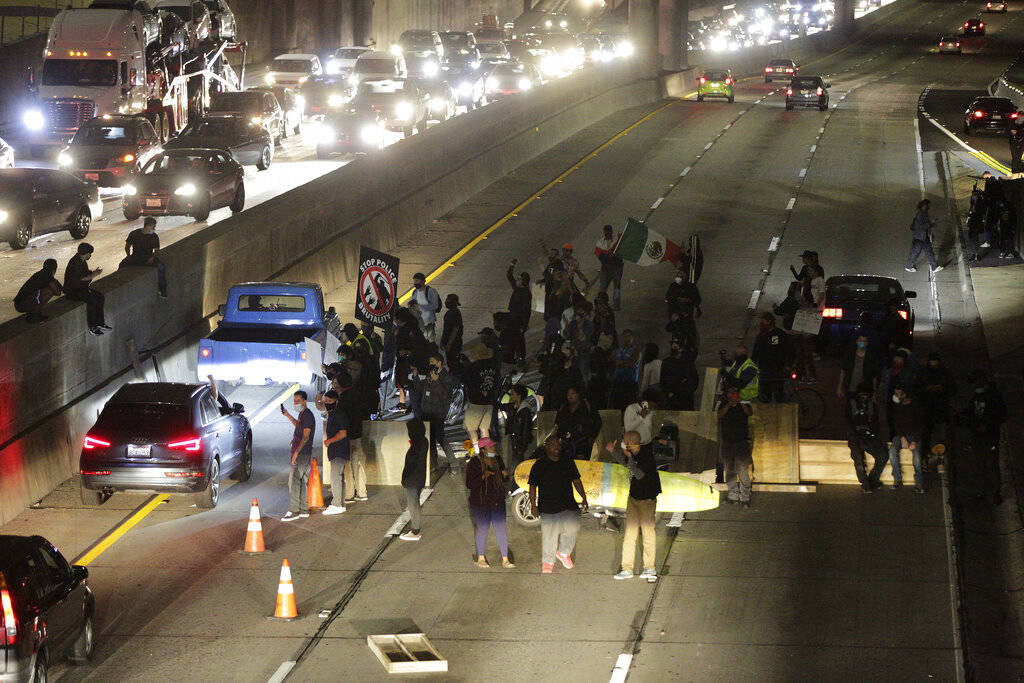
<point x="580" y="340"/>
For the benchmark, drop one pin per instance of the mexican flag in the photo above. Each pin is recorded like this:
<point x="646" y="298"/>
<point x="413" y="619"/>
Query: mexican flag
<point x="640" y="245"/>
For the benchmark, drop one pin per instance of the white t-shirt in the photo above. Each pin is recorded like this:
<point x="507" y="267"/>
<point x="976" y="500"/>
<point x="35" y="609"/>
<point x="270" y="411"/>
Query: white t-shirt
<point x="651" y="375"/>
<point x="633" y="422"/>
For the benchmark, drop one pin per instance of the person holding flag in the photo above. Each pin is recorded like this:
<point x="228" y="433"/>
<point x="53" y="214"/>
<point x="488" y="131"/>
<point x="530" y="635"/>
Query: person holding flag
<point x="640" y="245"/>
<point x="611" y="266"/>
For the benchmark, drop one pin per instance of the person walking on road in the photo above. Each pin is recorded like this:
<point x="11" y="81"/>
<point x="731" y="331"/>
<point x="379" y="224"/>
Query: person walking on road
<point x="485" y="479"/>
<point x="908" y="420"/>
<point x="453" y="329"/>
<point x="37" y="290"/>
<point x="336" y="441"/>
<point x="863" y="435"/>
<point x="141" y="247"/>
<point x="429" y="303"/>
<point x="921" y="238"/>
<point x="301" y="457"/>
<point x="986" y="413"/>
<point x="611" y="266"/>
<point x="773" y="354"/>
<point x="735" y="455"/>
<point x="641" y="505"/>
<point x="77" y="278"/>
<point x="414" y="476"/>
<point x="552" y="480"/>
<point x="519" y="426"/>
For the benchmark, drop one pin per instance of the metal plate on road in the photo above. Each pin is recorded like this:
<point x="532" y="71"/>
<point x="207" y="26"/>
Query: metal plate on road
<point x="139" y="451"/>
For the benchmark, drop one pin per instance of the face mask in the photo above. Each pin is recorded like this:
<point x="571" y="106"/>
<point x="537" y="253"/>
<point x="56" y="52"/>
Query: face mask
<point x="862" y="345"/>
<point x="679" y="280"/>
<point x="895" y="398"/>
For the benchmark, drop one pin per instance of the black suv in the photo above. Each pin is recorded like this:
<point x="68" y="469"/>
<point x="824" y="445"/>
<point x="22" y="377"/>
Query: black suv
<point x="807" y="91"/>
<point x="165" y="437"/>
<point x="974" y="27"/>
<point x="46" y="609"/>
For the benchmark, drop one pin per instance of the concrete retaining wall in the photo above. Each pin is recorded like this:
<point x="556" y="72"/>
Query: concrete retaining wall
<point x="311" y="233"/>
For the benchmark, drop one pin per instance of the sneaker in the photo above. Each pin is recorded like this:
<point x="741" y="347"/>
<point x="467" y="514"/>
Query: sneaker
<point x="623" y="574"/>
<point x="565" y="560"/>
<point x="333" y="510"/>
<point x="482" y="563"/>
<point x="362" y="498"/>
<point x="546" y="567"/>
<point x="163" y="295"/>
<point x="95" y="330"/>
<point x="289" y="516"/>
<point x="507" y="563"/>
<point x="105" y="327"/>
<point x="650" y="575"/>
<point x="349" y="501"/>
<point x="910" y="270"/>
<point x="410" y="536"/>
<point x="303" y="514"/>
<point x="984" y="245"/>
<point x="937" y="269"/>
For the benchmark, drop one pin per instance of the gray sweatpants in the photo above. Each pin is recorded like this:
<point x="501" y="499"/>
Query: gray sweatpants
<point x="558" y="531"/>
<point x="338" y="481"/>
<point x="298" y="491"/>
<point x="412" y="503"/>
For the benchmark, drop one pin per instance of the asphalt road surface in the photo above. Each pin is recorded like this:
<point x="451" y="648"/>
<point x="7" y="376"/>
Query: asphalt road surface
<point x="818" y="586"/>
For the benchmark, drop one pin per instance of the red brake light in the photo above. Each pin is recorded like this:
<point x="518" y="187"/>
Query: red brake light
<point x="958" y="44"/>
<point x="1014" y="114"/>
<point x="767" y="69"/>
<point x="793" y="375"/>
<point x="966" y="25"/>
<point x="96" y="473"/>
<point x="820" y="91"/>
<point x="92" y="442"/>
<point x="703" y="80"/>
<point x="832" y="313"/>
<point x="10" y="623"/>
<point x="205" y="353"/>
<point x="191" y="445"/>
<point x="979" y="114"/>
<point x="981" y="25"/>
<point x="789" y="91"/>
<point x="904" y="315"/>
<point x="728" y="81"/>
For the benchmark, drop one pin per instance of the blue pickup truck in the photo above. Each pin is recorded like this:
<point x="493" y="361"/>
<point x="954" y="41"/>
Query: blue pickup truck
<point x="271" y="332"/>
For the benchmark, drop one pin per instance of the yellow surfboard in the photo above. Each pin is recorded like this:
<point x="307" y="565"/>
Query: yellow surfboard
<point x="607" y="485"/>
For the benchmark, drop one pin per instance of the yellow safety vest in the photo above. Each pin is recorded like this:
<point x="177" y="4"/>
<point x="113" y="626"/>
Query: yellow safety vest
<point x="752" y="390"/>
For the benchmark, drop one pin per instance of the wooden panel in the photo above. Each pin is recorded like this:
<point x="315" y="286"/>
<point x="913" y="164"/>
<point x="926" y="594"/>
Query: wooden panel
<point x="773" y="427"/>
<point x="829" y="462"/>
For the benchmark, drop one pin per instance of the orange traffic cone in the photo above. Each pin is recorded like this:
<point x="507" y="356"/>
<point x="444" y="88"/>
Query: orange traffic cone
<point x="314" y="493"/>
<point x="254" y="533"/>
<point x="285" y="609"/>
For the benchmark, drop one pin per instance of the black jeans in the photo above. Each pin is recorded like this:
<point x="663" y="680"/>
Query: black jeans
<point x="93" y="301"/>
<point x="985" y="446"/>
<point x="868" y="443"/>
<point x="438" y="438"/>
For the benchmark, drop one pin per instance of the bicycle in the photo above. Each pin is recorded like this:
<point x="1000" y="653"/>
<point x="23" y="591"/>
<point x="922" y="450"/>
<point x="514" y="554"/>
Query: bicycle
<point x="810" y="402"/>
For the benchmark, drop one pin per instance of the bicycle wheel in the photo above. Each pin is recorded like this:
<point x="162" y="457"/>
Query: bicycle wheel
<point x="810" y="407"/>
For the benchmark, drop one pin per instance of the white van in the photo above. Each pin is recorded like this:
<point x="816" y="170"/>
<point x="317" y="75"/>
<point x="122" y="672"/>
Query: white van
<point x="378" y="64"/>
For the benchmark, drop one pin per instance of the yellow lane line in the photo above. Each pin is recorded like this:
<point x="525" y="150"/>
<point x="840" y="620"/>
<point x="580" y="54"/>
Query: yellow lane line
<point x="539" y="193"/>
<point x="121" y="529"/>
<point x="989" y="160"/>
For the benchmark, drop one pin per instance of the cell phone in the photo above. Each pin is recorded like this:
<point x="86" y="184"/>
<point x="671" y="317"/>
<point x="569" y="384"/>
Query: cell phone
<point x="282" y="407"/>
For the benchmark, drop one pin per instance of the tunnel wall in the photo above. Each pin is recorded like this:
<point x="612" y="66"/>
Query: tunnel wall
<point x="55" y="376"/>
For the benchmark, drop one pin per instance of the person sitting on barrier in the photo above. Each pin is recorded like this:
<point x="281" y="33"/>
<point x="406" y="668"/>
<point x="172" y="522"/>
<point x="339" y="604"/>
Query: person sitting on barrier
<point x="37" y="290"/>
<point x="77" y="280"/>
<point x="141" y="247"/>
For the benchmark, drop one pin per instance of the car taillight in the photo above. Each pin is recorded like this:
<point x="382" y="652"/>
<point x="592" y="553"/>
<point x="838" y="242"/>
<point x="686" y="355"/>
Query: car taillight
<point x="1014" y="115"/>
<point x="967" y="26"/>
<point x="728" y="81"/>
<point x="10" y="622"/>
<point x="820" y="91"/>
<point x="703" y="80"/>
<point x="981" y="25"/>
<point x="205" y="353"/>
<point x="789" y="71"/>
<point x="789" y="91"/>
<point x="92" y="442"/>
<point x="904" y="315"/>
<point x="96" y="473"/>
<point x="767" y="69"/>
<point x="128" y="158"/>
<point x="191" y="445"/>
<point x="979" y="114"/>
<point x="958" y="44"/>
<point x="832" y="313"/>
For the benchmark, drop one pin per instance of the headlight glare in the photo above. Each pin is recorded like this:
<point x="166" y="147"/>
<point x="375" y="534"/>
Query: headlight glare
<point x="64" y="160"/>
<point x="3" y="216"/>
<point x="269" y="79"/>
<point x="492" y="83"/>
<point x="33" y="119"/>
<point x="335" y="100"/>
<point x="403" y="111"/>
<point x="186" y="190"/>
<point x="129" y="190"/>
<point x="525" y="84"/>
<point x="370" y="134"/>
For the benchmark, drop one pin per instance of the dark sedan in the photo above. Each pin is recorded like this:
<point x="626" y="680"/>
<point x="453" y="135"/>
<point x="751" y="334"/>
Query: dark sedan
<point x="107" y="149"/>
<point x="292" y="106"/>
<point x="260" y="107"/>
<point x="511" y="79"/>
<point x="468" y="85"/>
<point x="39" y="201"/>
<point x="974" y="27"/>
<point x="991" y="114"/>
<point x="351" y="130"/>
<point x="326" y="93"/>
<point x="848" y="297"/>
<point x="167" y="437"/>
<point x="186" y="182"/>
<point x="247" y="142"/>
<point x="46" y="609"/>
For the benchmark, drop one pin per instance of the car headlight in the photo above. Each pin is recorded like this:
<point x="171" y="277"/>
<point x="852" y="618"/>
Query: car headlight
<point x="33" y="119"/>
<point x="257" y="120"/>
<point x="335" y="100"/>
<point x="492" y="83"/>
<point x="430" y="69"/>
<point x="547" y="24"/>
<point x="525" y="84"/>
<point x="3" y="216"/>
<point x="303" y="79"/>
<point x="333" y="68"/>
<point x="325" y="134"/>
<point x="563" y="23"/>
<point x="270" y="80"/>
<point x="403" y="111"/>
<point x="186" y="190"/>
<point x="64" y="160"/>
<point x="129" y="190"/>
<point x="438" y="104"/>
<point x="396" y="50"/>
<point x="371" y="134"/>
<point x="624" y="49"/>
<point x="465" y="88"/>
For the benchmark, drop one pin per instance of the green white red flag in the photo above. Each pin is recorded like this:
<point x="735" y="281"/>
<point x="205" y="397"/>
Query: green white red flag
<point x="640" y="245"/>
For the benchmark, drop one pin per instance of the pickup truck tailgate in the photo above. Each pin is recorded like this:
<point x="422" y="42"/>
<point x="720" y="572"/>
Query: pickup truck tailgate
<point x="258" y="362"/>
